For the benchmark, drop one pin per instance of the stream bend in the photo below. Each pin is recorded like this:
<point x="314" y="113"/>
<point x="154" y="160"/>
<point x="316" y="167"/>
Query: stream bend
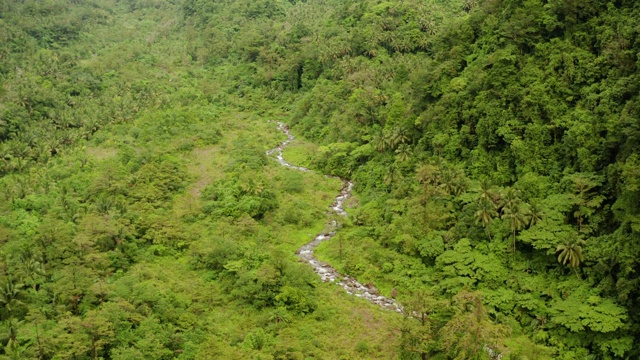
<point x="326" y="272"/>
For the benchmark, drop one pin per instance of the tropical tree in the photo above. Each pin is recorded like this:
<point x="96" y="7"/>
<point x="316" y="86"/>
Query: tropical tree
<point x="535" y="214"/>
<point x="11" y="295"/>
<point x="487" y="192"/>
<point x="403" y="152"/>
<point x="453" y="181"/>
<point x="279" y="315"/>
<point x="515" y="212"/>
<point x="428" y="176"/>
<point x="399" y="135"/>
<point x="391" y="176"/>
<point x="469" y="5"/>
<point x="470" y="334"/>
<point x="32" y="269"/>
<point x="485" y="214"/>
<point x="570" y="253"/>
<point x="417" y="329"/>
<point x="14" y="351"/>
<point x="103" y="204"/>
<point x="99" y="329"/>
<point x="588" y="200"/>
<point x="379" y="142"/>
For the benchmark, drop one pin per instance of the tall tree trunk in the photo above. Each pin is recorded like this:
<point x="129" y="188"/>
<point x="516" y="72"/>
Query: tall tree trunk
<point x="486" y="229"/>
<point x="514" y="244"/>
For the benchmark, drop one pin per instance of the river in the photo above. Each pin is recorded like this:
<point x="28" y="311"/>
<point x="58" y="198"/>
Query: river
<point x="327" y="272"/>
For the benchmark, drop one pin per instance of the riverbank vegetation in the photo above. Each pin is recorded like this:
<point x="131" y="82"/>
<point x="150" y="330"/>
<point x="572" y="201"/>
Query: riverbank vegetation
<point x="493" y="146"/>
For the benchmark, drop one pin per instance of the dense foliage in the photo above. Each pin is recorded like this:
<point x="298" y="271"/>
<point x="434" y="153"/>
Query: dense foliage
<point x="494" y="145"/>
<point x="139" y="216"/>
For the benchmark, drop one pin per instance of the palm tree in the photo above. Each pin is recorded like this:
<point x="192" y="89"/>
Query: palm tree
<point x="379" y="142"/>
<point x="41" y="153"/>
<point x="486" y="191"/>
<point x="403" y="152"/>
<point x="453" y="181"/>
<point x="428" y="25"/>
<point x="486" y="214"/>
<point x="391" y="176"/>
<point x="428" y="174"/>
<point x="571" y="253"/>
<point x="511" y="198"/>
<point x="535" y="214"/>
<point x="513" y="211"/>
<point x="54" y="143"/>
<point x="14" y="351"/>
<point x="10" y="294"/>
<point x="392" y="140"/>
<point x="103" y="204"/>
<point x="28" y="137"/>
<point x="12" y="330"/>
<point x="469" y="5"/>
<point x="400" y="44"/>
<point x="448" y="181"/>
<point x="20" y="149"/>
<point x="32" y="268"/>
<point x="20" y="163"/>
<point x="90" y="126"/>
<point x="401" y="135"/>
<point x="429" y="177"/>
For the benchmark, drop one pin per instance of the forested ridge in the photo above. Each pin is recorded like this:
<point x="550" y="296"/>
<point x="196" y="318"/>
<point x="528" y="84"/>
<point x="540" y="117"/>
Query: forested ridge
<point x="494" y="146"/>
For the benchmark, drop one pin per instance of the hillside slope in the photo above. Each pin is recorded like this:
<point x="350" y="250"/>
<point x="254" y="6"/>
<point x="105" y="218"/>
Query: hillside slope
<point x="494" y="146"/>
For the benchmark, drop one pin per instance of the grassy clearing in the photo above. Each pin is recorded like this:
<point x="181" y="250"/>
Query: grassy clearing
<point x="300" y="153"/>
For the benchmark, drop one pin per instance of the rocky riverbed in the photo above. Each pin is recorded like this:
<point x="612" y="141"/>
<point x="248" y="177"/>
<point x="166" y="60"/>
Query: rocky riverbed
<point x="326" y="272"/>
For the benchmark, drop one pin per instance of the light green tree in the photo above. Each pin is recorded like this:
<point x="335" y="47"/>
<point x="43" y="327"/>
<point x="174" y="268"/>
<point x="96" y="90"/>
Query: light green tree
<point x="470" y="334"/>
